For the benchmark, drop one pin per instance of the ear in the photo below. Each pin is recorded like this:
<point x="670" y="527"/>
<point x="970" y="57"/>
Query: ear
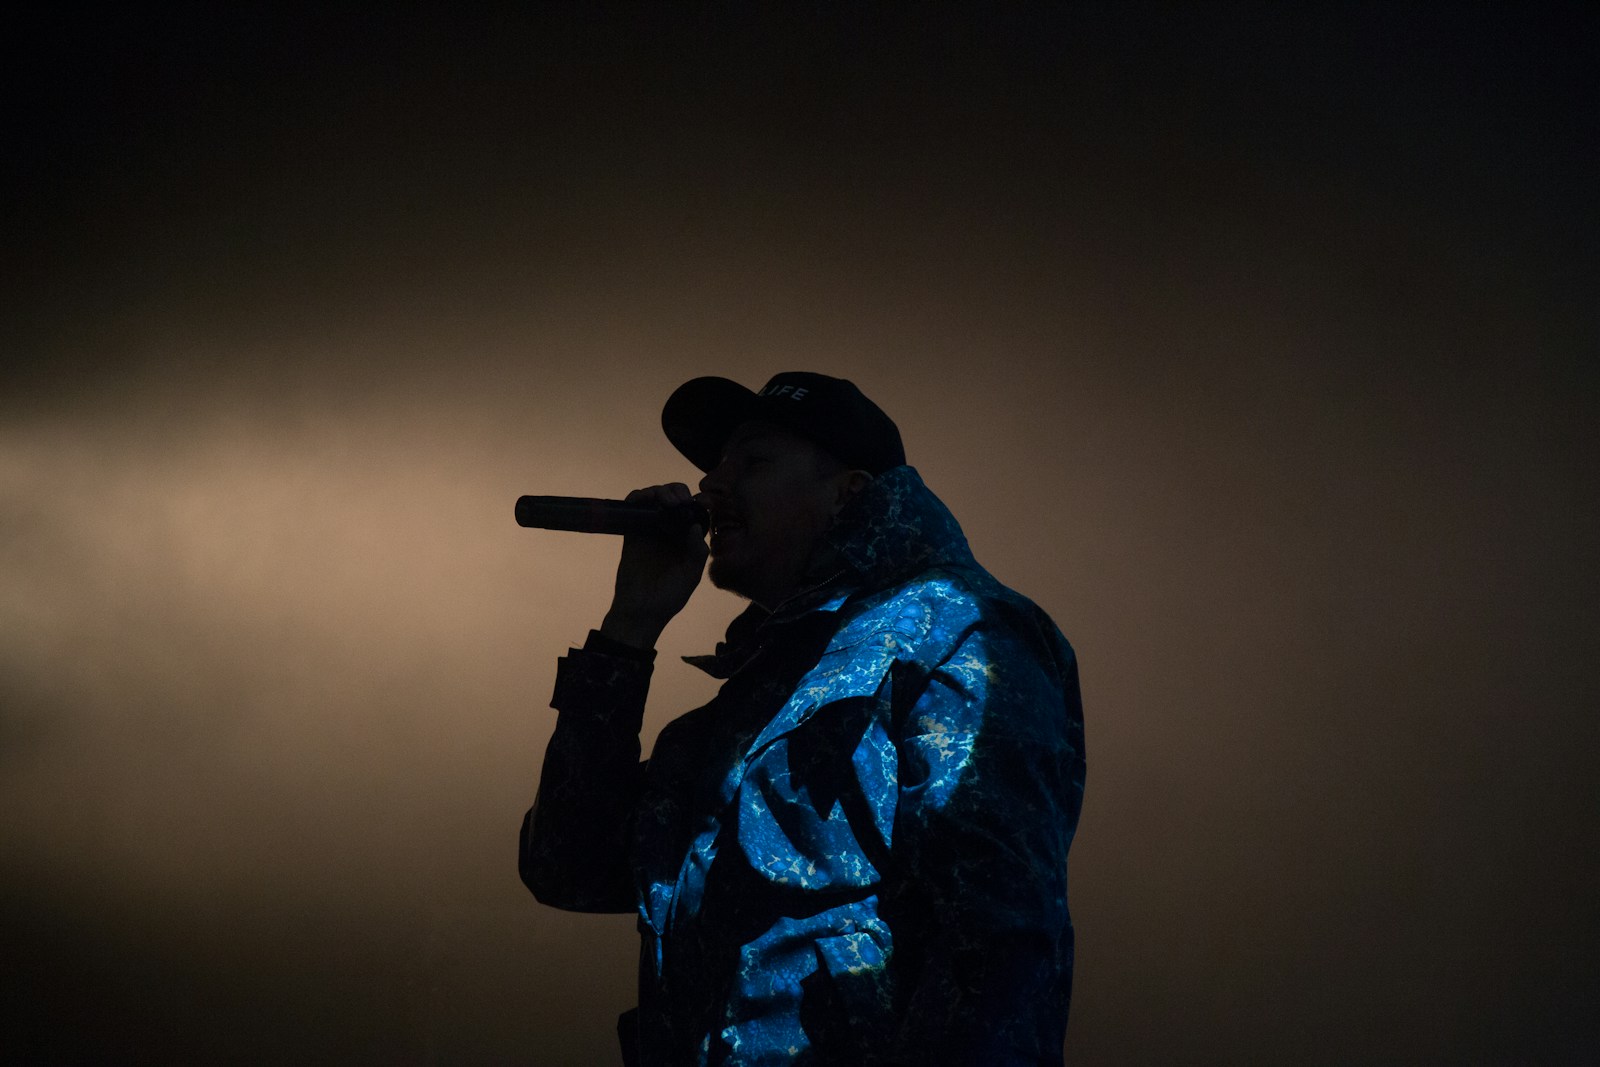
<point x="847" y="485"/>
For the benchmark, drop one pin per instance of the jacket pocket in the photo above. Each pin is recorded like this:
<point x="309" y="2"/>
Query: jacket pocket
<point x="855" y="970"/>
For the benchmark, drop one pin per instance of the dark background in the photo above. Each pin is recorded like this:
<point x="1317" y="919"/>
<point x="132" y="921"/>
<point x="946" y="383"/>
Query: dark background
<point x="1255" y="342"/>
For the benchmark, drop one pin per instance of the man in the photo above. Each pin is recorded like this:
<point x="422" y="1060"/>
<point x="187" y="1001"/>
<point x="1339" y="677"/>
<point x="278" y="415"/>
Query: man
<point x="857" y="852"/>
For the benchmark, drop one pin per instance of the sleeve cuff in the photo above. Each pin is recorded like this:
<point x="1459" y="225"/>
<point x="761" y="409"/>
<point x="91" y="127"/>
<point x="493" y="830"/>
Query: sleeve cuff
<point x="604" y="688"/>
<point x="606" y="646"/>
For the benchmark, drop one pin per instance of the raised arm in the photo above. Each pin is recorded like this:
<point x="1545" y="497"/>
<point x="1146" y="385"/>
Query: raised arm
<point x="574" y="849"/>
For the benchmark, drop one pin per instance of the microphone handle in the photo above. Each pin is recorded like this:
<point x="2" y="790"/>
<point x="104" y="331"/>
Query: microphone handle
<point x="581" y="514"/>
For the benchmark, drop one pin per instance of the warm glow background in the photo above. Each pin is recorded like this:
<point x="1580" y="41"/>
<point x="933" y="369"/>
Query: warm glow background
<point x="1258" y="348"/>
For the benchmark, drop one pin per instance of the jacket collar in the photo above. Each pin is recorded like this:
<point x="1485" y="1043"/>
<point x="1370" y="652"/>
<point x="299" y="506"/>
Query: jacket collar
<point x="894" y="528"/>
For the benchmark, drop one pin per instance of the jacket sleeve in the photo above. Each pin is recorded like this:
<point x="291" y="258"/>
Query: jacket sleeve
<point x="574" y="848"/>
<point x="991" y="785"/>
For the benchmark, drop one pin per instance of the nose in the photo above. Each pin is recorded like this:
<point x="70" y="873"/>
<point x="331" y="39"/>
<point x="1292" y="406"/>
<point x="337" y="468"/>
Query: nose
<point x="714" y="483"/>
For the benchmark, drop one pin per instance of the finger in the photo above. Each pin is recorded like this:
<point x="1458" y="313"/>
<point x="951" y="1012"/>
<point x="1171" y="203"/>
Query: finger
<point x="650" y="494"/>
<point x="672" y="494"/>
<point x="663" y="495"/>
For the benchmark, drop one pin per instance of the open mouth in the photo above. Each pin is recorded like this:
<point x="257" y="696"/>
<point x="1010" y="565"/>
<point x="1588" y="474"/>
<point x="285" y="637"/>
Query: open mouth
<point x="724" y="529"/>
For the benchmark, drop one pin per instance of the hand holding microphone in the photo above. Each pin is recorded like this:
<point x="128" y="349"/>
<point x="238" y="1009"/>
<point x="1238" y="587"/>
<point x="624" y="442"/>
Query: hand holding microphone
<point x="663" y="551"/>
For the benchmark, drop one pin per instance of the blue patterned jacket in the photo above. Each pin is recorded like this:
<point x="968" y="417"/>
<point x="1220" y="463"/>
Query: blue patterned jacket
<point x="857" y="852"/>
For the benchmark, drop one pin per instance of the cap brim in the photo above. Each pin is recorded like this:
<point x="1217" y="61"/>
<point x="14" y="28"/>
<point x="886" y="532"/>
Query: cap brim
<point x="702" y="413"/>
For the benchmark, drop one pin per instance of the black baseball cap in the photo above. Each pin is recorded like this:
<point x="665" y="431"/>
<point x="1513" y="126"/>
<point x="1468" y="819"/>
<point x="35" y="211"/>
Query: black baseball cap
<point x="701" y="414"/>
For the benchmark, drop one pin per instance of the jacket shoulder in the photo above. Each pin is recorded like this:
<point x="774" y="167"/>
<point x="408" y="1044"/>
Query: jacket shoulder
<point x="930" y="614"/>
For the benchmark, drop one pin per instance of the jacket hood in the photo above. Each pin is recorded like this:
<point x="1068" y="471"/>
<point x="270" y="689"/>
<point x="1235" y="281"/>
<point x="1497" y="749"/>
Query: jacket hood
<point x="894" y="528"/>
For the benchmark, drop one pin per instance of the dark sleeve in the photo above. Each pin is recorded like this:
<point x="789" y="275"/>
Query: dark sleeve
<point x="574" y="847"/>
<point x="991" y="784"/>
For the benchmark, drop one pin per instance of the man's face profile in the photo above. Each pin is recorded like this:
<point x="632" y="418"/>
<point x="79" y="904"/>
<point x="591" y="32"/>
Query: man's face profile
<point x="772" y="497"/>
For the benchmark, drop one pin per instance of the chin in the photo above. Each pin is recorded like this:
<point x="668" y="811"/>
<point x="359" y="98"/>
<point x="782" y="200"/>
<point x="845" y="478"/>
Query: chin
<point x="731" y="578"/>
<point x="726" y="577"/>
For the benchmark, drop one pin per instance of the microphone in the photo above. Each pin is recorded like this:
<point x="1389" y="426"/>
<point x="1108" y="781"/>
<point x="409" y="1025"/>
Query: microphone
<point x="582" y="514"/>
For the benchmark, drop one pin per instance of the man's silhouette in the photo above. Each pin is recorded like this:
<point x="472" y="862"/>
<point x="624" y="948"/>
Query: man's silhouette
<point x="857" y="852"/>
